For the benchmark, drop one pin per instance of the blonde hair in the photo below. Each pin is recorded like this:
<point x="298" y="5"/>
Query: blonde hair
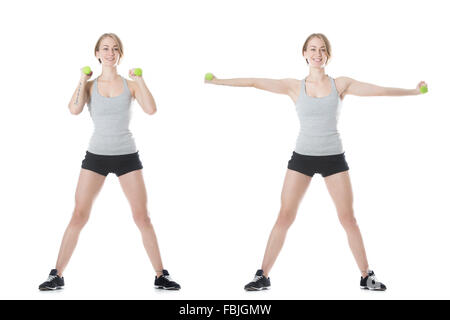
<point x="324" y="39"/>
<point x="115" y="38"/>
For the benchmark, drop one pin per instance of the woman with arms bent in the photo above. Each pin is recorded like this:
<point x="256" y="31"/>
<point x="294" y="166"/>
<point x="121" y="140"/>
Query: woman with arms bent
<point x="319" y="149"/>
<point x="111" y="150"/>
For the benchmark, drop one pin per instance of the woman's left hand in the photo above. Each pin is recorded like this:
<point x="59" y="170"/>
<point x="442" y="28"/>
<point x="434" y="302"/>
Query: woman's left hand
<point x="133" y="76"/>
<point x="421" y="84"/>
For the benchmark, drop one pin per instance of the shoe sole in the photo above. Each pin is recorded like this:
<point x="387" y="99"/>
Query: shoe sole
<point x="256" y="289"/>
<point x="166" y="288"/>
<point x="50" y="289"/>
<point x="371" y="289"/>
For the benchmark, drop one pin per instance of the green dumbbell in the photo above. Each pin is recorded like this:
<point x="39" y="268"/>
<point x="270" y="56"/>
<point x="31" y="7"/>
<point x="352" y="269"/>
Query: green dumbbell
<point x="423" y="89"/>
<point x="209" y="76"/>
<point x="87" y="70"/>
<point x="137" y="72"/>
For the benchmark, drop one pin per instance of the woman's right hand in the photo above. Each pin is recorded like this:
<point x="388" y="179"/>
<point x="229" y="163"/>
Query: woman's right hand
<point x="85" y="76"/>
<point x="211" y="81"/>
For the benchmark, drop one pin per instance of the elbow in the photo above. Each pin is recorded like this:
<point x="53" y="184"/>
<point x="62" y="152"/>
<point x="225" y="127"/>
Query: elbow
<point x="73" y="110"/>
<point x="150" y="108"/>
<point x="151" y="111"/>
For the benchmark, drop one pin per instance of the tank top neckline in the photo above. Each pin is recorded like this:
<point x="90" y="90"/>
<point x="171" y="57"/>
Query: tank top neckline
<point x="327" y="96"/>
<point x="125" y="88"/>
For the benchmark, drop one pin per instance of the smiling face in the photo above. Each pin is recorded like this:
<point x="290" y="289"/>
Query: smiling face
<point x="316" y="53"/>
<point x="108" y="52"/>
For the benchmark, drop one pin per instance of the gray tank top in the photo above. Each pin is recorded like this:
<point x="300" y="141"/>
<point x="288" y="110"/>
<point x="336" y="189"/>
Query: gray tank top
<point x="318" y="123"/>
<point x="111" y="118"/>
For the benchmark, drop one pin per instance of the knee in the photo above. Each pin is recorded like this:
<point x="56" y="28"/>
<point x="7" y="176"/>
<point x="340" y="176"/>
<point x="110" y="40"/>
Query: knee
<point x="286" y="218"/>
<point x="141" y="218"/>
<point x="79" y="217"/>
<point x="347" y="219"/>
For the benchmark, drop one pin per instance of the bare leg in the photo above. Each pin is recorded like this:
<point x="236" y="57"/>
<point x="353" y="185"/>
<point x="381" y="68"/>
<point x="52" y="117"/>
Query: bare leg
<point x="294" y="187"/>
<point x="340" y="189"/>
<point x="89" y="185"/>
<point x="134" y="188"/>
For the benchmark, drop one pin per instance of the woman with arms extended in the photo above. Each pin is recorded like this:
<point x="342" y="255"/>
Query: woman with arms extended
<point x="318" y="99"/>
<point x="111" y="150"/>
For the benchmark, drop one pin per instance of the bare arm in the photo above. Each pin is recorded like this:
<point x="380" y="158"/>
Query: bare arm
<point x="142" y="94"/>
<point x="80" y="96"/>
<point x="357" y="88"/>
<point x="281" y="86"/>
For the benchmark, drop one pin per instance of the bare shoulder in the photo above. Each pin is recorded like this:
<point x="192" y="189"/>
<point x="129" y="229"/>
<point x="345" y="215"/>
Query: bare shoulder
<point x="132" y="86"/>
<point x="291" y="82"/>
<point x="130" y="83"/>
<point x="293" y="87"/>
<point x="89" y="86"/>
<point x="89" y="83"/>
<point x="342" y="84"/>
<point x="343" y="80"/>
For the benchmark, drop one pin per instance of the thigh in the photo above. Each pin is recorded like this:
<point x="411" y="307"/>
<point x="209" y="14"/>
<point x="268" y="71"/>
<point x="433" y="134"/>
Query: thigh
<point x="340" y="189"/>
<point x="88" y="187"/>
<point x="133" y="186"/>
<point x="96" y="163"/>
<point x="124" y="164"/>
<point x="330" y="165"/>
<point x="294" y="187"/>
<point x="303" y="164"/>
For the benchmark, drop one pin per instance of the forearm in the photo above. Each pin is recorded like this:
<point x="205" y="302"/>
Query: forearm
<point x="78" y="100"/>
<point x="398" y="92"/>
<point x="145" y="97"/>
<point x="237" y="82"/>
<point x="358" y="88"/>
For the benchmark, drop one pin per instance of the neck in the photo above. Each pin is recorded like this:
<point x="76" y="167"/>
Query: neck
<point x="316" y="74"/>
<point x="108" y="73"/>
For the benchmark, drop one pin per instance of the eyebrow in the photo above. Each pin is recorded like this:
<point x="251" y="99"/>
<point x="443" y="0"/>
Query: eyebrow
<point x="320" y="47"/>
<point x="105" y="45"/>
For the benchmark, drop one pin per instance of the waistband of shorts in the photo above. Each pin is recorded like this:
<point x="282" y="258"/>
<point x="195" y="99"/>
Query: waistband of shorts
<point x="318" y="157"/>
<point x="109" y="156"/>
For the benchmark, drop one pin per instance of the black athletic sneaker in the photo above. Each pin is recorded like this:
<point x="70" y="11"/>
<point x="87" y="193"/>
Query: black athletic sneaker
<point x="371" y="283"/>
<point x="260" y="282"/>
<point x="164" y="282"/>
<point x="54" y="282"/>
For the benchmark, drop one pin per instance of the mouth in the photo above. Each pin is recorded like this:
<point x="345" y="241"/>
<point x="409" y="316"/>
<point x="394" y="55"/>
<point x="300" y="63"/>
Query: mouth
<point x="317" y="60"/>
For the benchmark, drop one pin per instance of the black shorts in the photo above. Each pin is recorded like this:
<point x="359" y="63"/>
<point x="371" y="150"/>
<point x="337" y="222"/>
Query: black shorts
<point x="119" y="164"/>
<point x="325" y="165"/>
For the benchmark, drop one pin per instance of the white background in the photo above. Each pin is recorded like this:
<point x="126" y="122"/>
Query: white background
<point x="215" y="157"/>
